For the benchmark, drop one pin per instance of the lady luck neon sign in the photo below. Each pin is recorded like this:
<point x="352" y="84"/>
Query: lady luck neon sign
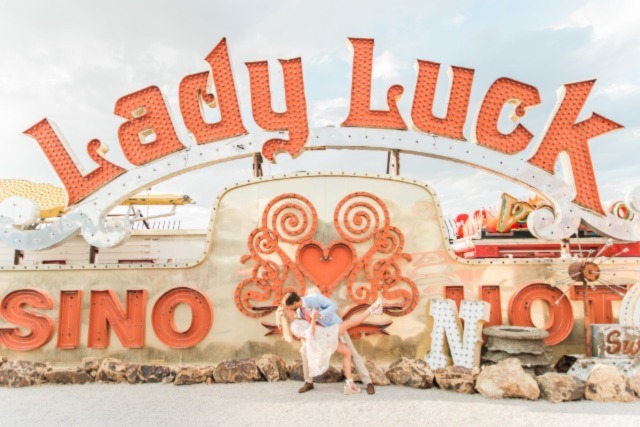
<point x="149" y="141"/>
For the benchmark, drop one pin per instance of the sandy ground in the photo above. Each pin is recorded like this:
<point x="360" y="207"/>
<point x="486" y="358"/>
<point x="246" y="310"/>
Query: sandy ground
<point x="264" y="404"/>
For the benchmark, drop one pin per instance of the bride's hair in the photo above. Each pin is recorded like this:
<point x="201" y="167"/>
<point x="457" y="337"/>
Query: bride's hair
<point x="283" y="323"/>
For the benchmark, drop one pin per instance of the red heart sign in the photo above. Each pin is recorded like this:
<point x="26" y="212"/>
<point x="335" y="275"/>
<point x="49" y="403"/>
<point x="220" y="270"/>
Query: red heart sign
<point x="326" y="267"/>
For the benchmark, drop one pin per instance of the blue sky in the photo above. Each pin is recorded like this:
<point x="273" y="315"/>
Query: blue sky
<point x="70" y="61"/>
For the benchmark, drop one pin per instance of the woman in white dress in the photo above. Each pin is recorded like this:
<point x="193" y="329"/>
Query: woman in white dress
<point x="321" y="342"/>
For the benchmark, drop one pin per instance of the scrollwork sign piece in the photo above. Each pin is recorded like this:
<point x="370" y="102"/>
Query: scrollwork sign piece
<point x="362" y="221"/>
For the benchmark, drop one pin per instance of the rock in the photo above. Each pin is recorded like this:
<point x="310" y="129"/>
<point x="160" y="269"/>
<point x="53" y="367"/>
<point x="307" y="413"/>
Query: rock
<point x="516" y="332"/>
<point x="2" y="360"/>
<point x="331" y="376"/>
<point x="193" y="374"/>
<point x="172" y="376"/>
<point x="558" y="388"/>
<point x="68" y="376"/>
<point x="273" y="368"/>
<point x="377" y="374"/>
<point x="13" y="379"/>
<point x="565" y="363"/>
<point x="295" y="371"/>
<point x="507" y="379"/>
<point x="410" y="373"/>
<point x="21" y="373"/>
<point x="608" y="384"/>
<point x="138" y="374"/>
<point x="541" y="370"/>
<point x="584" y="365"/>
<point x="456" y="378"/>
<point x="515" y="346"/>
<point x="634" y="383"/>
<point x="90" y="365"/>
<point x="527" y="360"/>
<point x="236" y="371"/>
<point x="112" y="370"/>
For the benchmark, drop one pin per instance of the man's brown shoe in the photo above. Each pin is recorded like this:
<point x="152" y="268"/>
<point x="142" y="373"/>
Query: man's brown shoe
<point x="306" y="387"/>
<point x="370" y="389"/>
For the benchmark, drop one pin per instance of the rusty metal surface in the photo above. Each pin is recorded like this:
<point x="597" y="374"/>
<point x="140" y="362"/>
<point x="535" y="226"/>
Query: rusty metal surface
<point x="615" y="341"/>
<point x="584" y="365"/>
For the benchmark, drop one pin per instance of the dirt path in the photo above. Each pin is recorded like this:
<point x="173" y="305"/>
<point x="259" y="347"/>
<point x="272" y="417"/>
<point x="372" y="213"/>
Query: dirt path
<point x="279" y="404"/>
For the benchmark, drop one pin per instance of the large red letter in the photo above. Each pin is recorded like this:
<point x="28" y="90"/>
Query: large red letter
<point x="600" y="302"/>
<point x="69" y="319"/>
<point x="147" y="133"/>
<point x="195" y="92"/>
<point x="455" y="294"/>
<point x="360" y="113"/>
<point x="163" y="317"/>
<point x="491" y="294"/>
<point x="422" y="115"/>
<point x="564" y="134"/>
<point x="293" y="120"/>
<point x="560" y="311"/>
<point x="77" y="182"/>
<point x="40" y="326"/>
<point x="505" y="91"/>
<point x="106" y="310"/>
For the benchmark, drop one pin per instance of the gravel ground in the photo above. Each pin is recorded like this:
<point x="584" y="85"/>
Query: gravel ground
<point x="279" y="404"/>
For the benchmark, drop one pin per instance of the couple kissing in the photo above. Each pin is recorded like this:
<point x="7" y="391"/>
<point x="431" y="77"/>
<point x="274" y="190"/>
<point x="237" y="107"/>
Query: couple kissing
<point x="313" y="320"/>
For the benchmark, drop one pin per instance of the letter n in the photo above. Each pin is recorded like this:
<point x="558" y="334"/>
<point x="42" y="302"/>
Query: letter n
<point x="107" y="311"/>
<point x="447" y="332"/>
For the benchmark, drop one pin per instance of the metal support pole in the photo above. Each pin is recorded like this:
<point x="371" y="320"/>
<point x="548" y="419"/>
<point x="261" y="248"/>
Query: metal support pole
<point x="257" y="165"/>
<point x="393" y="162"/>
<point x="585" y="272"/>
<point x="587" y="319"/>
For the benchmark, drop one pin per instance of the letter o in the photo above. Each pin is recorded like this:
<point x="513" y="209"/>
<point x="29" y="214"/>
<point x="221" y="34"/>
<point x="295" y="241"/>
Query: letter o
<point x="560" y="321"/>
<point x="162" y="317"/>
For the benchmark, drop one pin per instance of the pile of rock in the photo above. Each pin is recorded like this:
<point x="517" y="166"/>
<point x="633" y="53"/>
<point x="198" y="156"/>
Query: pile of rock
<point x="605" y="384"/>
<point x="22" y="373"/>
<point x="523" y="343"/>
<point x="505" y="379"/>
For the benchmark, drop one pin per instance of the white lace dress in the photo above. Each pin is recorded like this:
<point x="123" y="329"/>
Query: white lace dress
<point x="319" y="347"/>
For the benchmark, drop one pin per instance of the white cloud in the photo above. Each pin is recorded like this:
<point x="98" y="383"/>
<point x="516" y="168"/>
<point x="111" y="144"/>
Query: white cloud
<point x="619" y="90"/>
<point x="608" y="20"/>
<point x="387" y="67"/>
<point x="329" y="112"/>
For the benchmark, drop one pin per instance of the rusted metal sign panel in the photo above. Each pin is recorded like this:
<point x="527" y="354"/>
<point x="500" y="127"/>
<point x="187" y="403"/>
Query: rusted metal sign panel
<point x="615" y="341"/>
